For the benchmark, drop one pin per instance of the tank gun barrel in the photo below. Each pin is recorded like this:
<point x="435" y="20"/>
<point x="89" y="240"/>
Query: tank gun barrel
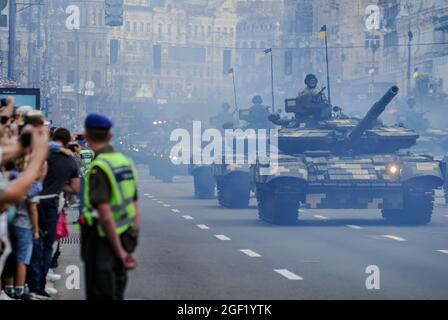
<point x="372" y="115"/>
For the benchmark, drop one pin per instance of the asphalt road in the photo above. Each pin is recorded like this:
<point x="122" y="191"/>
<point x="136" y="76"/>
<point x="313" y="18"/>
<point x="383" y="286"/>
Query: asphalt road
<point x="194" y="249"/>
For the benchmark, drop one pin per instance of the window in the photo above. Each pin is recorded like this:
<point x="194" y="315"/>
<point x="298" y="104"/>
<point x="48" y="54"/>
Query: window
<point x="202" y="31"/>
<point x="71" y="48"/>
<point x="169" y="29"/>
<point x="196" y="28"/>
<point x="128" y="26"/>
<point x="94" y="16"/>
<point x="71" y="77"/>
<point x="94" y="49"/>
<point x="135" y="27"/>
<point x="142" y="27"/>
<point x="209" y="30"/>
<point x="96" y="78"/>
<point x="100" y="18"/>
<point x="148" y="27"/>
<point x="160" y="27"/>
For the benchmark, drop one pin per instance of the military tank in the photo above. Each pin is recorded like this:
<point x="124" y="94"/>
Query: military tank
<point x="348" y="163"/>
<point x="233" y="181"/>
<point x="203" y="180"/>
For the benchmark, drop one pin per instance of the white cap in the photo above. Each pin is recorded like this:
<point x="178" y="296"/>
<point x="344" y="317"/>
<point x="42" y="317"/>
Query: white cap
<point x="23" y="110"/>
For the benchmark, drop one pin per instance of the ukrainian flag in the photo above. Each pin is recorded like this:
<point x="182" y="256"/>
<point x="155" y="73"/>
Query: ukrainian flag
<point x="323" y="32"/>
<point x="268" y="52"/>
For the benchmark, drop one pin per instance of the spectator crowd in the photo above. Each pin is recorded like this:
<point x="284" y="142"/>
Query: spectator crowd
<point x="41" y="174"/>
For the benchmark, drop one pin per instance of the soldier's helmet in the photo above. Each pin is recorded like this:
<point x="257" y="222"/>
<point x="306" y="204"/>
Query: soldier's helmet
<point x="411" y="102"/>
<point x="225" y="106"/>
<point x="310" y="77"/>
<point x="257" y="100"/>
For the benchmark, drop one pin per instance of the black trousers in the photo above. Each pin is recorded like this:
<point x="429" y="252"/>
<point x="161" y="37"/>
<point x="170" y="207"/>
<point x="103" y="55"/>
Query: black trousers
<point x="105" y="275"/>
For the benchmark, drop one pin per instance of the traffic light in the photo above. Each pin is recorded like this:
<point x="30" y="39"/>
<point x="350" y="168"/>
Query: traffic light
<point x="227" y="61"/>
<point x="157" y="58"/>
<point x="3" y="17"/>
<point x="288" y="62"/>
<point x="114" y="48"/>
<point x="114" y="13"/>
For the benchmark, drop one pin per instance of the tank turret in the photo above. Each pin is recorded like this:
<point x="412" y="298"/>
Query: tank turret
<point x="341" y="134"/>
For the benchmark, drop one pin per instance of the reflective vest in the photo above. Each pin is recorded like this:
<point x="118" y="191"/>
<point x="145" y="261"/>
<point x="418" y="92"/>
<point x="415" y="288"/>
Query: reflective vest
<point x="86" y="156"/>
<point x="122" y="176"/>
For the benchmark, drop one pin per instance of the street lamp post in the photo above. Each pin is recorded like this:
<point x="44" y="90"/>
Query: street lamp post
<point x="12" y="39"/>
<point x="232" y="73"/>
<point x="269" y="52"/>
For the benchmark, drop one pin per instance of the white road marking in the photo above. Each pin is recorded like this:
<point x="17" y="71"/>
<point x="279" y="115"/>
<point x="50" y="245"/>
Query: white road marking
<point x="394" y="237"/>
<point x="167" y="205"/>
<point x="161" y="202"/>
<point x="188" y="217"/>
<point x="288" y="274"/>
<point x="318" y="216"/>
<point x="352" y="226"/>
<point x="175" y="210"/>
<point x="443" y="251"/>
<point x="250" y="253"/>
<point x="154" y="199"/>
<point x="222" y="237"/>
<point x="202" y="226"/>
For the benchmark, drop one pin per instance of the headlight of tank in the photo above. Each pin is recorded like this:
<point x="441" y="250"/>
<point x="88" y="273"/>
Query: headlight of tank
<point x="394" y="169"/>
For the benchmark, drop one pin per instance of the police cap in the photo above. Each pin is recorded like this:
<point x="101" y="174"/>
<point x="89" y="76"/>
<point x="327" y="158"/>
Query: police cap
<point x="97" y="121"/>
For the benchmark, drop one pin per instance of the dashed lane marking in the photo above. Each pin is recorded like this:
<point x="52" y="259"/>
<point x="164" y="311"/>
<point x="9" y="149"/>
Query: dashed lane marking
<point x="161" y="202"/>
<point x="288" y="274"/>
<point x="222" y="237"/>
<point x="167" y="205"/>
<point x="318" y="216"/>
<point x="175" y="210"/>
<point x="202" y="226"/>
<point x="352" y="226"/>
<point x="394" y="237"/>
<point x="250" y="253"/>
<point x="443" y="251"/>
<point x="188" y="217"/>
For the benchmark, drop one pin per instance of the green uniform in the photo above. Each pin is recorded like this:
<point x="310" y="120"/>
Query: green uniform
<point x="313" y="104"/>
<point x="110" y="178"/>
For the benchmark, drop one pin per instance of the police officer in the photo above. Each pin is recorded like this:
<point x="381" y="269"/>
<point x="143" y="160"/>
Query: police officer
<point x="111" y="217"/>
<point x="86" y="156"/>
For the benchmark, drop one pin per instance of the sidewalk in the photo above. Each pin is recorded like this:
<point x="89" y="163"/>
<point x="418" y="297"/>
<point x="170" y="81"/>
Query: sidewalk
<point x="69" y="261"/>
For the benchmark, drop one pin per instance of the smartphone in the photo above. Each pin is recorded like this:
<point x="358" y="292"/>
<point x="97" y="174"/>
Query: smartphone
<point x="26" y="139"/>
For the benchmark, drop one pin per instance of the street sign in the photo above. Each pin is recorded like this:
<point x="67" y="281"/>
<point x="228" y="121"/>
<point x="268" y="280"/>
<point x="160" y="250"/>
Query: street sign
<point x="3" y="17"/>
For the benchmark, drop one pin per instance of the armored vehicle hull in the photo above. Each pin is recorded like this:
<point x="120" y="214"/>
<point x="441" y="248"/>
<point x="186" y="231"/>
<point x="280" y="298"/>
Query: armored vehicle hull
<point x="203" y="180"/>
<point x="401" y="186"/>
<point x="233" y="185"/>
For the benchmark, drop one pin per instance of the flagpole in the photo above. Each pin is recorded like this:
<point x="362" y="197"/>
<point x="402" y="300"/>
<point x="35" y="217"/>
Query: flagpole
<point x="232" y="71"/>
<point x="272" y="81"/>
<point x="328" y="71"/>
